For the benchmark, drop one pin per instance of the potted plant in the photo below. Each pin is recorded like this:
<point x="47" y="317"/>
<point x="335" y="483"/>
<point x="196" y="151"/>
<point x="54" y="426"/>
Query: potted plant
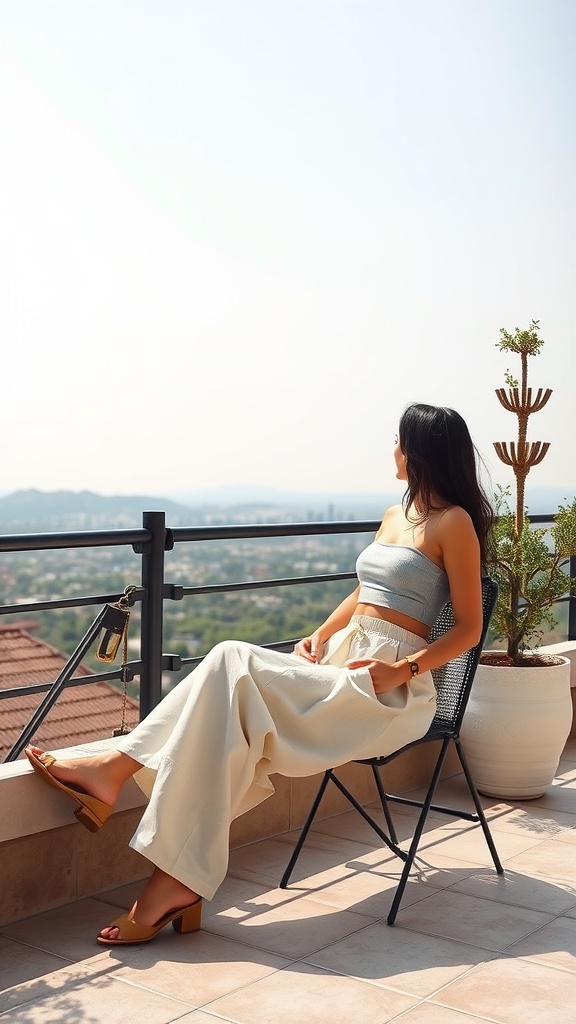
<point x="520" y="710"/>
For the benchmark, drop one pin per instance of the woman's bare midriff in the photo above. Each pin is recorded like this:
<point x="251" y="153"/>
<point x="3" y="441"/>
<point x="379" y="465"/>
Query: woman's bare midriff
<point x="396" y="618"/>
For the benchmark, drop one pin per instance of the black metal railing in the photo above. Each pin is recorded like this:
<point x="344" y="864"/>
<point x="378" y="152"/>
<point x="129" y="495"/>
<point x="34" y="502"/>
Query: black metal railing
<point x="150" y="543"/>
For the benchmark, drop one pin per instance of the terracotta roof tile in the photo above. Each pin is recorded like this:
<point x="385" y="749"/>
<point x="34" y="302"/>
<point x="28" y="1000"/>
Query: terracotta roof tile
<point x="80" y="714"/>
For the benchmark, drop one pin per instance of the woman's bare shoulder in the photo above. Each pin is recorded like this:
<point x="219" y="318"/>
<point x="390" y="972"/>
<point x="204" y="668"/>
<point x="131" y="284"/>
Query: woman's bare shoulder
<point x="455" y="517"/>
<point x="455" y="527"/>
<point x="393" y="511"/>
<point x="392" y="514"/>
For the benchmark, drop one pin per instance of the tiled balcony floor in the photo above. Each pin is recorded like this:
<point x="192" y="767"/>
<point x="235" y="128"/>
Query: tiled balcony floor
<point x="468" y="946"/>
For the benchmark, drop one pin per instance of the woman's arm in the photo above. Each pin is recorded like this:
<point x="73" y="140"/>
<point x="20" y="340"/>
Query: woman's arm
<point x="310" y="646"/>
<point x="461" y="554"/>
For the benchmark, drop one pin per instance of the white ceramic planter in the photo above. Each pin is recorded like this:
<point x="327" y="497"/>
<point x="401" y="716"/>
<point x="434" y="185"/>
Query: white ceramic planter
<point x="515" y="728"/>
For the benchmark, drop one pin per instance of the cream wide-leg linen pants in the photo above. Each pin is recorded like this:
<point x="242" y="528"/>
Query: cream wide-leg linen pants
<point x="245" y="713"/>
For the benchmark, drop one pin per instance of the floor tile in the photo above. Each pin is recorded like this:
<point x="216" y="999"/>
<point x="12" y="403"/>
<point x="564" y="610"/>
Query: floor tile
<point x="442" y="871"/>
<point x="96" y="999"/>
<point x="68" y="931"/>
<point x="369" y="890"/>
<point x="482" y="923"/>
<point x="27" y="974"/>
<point x="467" y="842"/>
<point x="452" y="792"/>
<point x="399" y="958"/>
<point x="558" y="797"/>
<point x="554" y="944"/>
<point x="196" y="968"/>
<point x="431" y="1013"/>
<point x="292" y="929"/>
<point x="19" y="962"/>
<point x="530" y="821"/>
<point x="266" y="862"/>
<point x="514" y="992"/>
<point x="237" y="895"/>
<point x="550" y="859"/>
<point x="352" y="826"/>
<point x="567" y="836"/>
<point x="203" y="1017"/>
<point x="521" y="890"/>
<point x="317" y="997"/>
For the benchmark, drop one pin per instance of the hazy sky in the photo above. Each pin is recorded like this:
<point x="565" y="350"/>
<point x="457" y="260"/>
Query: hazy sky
<point x="237" y="237"/>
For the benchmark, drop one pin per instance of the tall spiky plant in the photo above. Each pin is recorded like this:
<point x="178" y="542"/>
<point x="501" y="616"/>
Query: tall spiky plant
<point x="528" y="568"/>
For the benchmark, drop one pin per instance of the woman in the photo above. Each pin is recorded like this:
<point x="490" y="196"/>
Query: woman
<point x="359" y="686"/>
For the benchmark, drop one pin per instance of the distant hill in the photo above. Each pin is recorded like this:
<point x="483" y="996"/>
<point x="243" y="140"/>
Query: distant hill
<point x="34" y="511"/>
<point x="59" y="511"/>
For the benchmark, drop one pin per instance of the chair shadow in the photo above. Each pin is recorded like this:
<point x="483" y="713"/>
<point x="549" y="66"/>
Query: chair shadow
<point x="255" y="935"/>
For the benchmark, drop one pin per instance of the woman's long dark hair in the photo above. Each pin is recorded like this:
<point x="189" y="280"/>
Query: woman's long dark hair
<point x="442" y="465"/>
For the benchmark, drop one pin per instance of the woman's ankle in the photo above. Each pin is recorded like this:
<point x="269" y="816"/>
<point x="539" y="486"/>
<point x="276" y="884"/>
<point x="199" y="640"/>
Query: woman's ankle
<point x="119" y="766"/>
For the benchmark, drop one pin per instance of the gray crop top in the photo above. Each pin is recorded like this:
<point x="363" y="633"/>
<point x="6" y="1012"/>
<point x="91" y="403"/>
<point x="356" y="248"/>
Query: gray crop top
<point x="402" y="578"/>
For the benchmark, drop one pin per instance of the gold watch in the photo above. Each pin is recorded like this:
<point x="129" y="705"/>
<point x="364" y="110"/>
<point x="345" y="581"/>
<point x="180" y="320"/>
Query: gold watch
<point x="414" y="667"/>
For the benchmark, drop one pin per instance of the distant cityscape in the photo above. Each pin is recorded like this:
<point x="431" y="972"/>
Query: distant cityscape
<point x="30" y="511"/>
<point x="58" y="511"/>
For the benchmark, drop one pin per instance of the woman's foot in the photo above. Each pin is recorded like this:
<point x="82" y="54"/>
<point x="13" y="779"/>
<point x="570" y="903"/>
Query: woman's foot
<point x="101" y="776"/>
<point x="162" y="897"/>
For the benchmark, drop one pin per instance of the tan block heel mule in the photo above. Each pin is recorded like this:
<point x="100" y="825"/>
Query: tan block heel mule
<point x="91" y="813"/>
<point x="185" y="920"/>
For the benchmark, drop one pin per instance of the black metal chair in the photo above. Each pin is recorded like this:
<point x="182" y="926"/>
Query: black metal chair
<point x="453" y="684"/>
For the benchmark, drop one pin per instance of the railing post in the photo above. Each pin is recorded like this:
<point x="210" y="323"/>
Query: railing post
<point x="152" y="612"/>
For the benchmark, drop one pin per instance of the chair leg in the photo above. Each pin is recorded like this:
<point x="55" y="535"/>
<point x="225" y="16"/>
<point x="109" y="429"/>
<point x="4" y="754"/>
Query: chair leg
<point x="417" y="833"/>
<point x="384" y="802"/>
<point x="391" y="844"/>
<point x="305" y="830"/>
<point x="478" y="805"/>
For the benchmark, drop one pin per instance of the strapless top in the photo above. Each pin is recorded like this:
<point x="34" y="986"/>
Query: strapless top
<point x="402" y="578"/>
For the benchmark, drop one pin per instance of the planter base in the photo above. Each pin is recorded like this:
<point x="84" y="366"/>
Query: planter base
<point x="515" y="728"/>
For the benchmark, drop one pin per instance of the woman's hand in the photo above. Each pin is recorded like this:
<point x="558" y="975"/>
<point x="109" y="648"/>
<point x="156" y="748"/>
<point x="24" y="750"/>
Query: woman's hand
<point x="384" y="675"/>
<point x="309" y="647"/>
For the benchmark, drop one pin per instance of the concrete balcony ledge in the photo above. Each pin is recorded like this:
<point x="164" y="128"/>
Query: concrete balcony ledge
<point x="48" y="858"/>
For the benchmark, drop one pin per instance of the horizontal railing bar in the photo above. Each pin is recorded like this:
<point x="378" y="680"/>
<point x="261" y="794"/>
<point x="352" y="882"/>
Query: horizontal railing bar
<point x="252" y="531"/>
<point x="239" y="532"/>
<point x="25" y="691"/>
<point x="226" y="588"/>
<point x="137" y="535"/>
<point x="125" y="537"/>
<point x="72" y="602"/>
<point x="84" y="539"/>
